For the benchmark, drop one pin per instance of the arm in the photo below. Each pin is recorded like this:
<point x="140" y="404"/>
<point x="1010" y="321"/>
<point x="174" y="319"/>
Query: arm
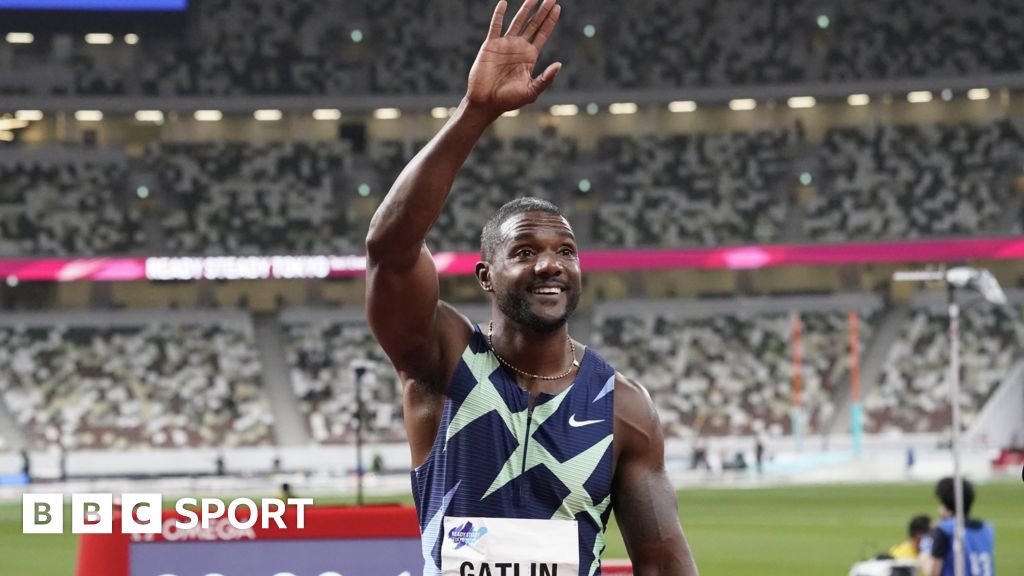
<point x="935" y="557"/>
<point x="402" y="292"/>
<point x="642" y="496"/>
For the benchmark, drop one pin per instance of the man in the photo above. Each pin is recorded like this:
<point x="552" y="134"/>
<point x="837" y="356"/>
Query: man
<point x="978" y="539"/>
<point x="520" y="450"/>
<point x="910" y="549"/>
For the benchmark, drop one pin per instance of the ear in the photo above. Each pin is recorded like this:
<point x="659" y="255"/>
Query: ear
<point x="483" y="276"/>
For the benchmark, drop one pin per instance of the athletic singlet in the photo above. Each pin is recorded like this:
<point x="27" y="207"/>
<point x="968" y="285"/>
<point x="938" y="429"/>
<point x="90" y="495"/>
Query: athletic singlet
<point x="495" y="458"/>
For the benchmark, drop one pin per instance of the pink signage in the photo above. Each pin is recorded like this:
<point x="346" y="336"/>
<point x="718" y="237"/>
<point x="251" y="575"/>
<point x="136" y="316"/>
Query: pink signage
<point x="462" y="263"/>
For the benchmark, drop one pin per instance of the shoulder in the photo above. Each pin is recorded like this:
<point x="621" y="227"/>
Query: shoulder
<point x="637" y="428"/>
<point x="631" y="398"/>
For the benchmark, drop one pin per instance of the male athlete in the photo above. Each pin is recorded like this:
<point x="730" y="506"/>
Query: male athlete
<point x="523" y="439"/>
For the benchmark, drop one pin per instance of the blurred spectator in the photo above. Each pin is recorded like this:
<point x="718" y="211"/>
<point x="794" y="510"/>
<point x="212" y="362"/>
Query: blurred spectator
<point x="920" y="528"/>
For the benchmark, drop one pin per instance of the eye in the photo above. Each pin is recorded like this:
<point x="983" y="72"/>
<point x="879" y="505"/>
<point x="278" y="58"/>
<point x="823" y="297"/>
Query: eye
<point x="567" y="251"/>
<point x="524" y="253"/>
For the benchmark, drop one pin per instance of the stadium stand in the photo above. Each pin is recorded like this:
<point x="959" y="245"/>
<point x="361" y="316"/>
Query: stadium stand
<point x="323" y="357"/>
<point x="725" y="369"/>
<point x="912" y="393"/>
<point x="259" y="47"/>
<point x="910" y="181"/>
<point x="65" y="206"/>
<point x="883" y="181"/>
<point x="704" y="189"/>
<point x="119" y="384"/>
<point x="242" y="199"/>
<point x="946" y="39"/>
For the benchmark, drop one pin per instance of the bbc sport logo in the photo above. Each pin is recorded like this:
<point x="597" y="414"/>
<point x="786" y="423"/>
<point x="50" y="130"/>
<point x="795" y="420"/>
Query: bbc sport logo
<point x="43" y="513"/>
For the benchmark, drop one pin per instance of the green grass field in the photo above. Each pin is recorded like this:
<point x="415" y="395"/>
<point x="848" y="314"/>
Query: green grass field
<point x="790" y="531"/>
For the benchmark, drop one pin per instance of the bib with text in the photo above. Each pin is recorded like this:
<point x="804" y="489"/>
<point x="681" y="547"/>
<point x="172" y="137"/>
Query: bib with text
<point x="509" y="547"/>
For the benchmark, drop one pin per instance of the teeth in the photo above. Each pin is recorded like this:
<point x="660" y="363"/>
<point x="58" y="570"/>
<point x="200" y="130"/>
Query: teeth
<point x="548" y="291"/>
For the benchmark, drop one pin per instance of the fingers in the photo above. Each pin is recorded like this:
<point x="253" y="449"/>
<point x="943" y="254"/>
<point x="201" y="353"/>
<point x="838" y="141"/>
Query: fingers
<point x="539" y="18"/>
<point x="521" y="17"/>
<point x="497" y="20"/>
<point x="545" y="29"/>
<point x="541" y="83"/>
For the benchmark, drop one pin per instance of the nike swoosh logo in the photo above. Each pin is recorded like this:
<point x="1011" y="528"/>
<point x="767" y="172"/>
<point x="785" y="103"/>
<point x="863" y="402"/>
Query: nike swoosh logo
<point x="580" y="423"/>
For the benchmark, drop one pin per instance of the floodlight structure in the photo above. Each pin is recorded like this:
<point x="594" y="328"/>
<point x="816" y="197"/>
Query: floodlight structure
<point x="986" y="284"/>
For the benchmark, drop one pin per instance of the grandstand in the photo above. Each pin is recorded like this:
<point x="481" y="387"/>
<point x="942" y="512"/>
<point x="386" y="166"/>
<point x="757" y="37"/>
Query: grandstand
<point x="757" y="170"/>
<point x="652" y="179"/>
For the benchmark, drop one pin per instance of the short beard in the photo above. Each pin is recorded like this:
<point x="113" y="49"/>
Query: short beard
<point x="517" y="309"/>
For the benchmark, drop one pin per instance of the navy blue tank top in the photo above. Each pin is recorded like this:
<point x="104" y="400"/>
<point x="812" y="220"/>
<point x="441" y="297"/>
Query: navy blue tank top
<point x="495" y="457"/>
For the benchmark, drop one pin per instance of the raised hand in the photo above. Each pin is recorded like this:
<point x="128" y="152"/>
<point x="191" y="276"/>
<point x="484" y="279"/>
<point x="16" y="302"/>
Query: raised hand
<point x="502" y="75"/>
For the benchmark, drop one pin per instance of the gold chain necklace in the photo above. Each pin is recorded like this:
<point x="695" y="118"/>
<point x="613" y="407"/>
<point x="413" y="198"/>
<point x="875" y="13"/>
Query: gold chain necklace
<point x="572" y="348"/>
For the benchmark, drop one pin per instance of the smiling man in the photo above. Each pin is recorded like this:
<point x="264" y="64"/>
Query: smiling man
<point x="523" y="439"/>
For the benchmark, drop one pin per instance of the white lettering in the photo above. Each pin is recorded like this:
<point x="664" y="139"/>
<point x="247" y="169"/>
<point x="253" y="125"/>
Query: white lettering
<point x="212" y="508"/>
<point x="233" y="513"/>
<point x="300" y="510"/>
<point x="182" y="510"/>
<point x="273" y="509"/>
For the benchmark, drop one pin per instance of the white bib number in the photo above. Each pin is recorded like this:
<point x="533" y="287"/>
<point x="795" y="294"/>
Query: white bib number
<point x="509" y="547"/>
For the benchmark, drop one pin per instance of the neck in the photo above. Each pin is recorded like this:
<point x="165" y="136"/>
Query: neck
<point x="541" y="353"/>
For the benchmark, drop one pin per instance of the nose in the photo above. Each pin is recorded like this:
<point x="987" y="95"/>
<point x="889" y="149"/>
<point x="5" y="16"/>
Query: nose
<point x="548" y="265"/>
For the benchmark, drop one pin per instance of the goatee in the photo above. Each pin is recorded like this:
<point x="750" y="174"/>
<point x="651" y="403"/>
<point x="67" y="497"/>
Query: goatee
<point x="517" y="308"/>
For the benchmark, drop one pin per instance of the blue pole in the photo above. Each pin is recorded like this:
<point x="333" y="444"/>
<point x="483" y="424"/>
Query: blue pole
<point x="857" y="426"/>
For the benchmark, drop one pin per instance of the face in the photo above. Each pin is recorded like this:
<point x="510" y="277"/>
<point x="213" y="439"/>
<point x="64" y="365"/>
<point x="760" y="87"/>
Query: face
<point x="535" y="271"/>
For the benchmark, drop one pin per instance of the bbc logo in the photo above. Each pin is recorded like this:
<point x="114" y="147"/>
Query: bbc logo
<point x="142" y="513"/>
<point x="90" y="513"/>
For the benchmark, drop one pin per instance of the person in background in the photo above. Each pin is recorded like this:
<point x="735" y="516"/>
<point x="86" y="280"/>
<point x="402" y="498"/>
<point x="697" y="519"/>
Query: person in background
<point x="979" y="536"/>
<point x="910" y="549"/>
<point x="759" y="454"/>
<point x="26" y="466"/>
<point x="286" y="492"/>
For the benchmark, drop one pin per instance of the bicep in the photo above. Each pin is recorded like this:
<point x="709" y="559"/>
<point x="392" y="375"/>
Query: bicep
<point x="402" y="309"/>
<point x="643" y="498"/>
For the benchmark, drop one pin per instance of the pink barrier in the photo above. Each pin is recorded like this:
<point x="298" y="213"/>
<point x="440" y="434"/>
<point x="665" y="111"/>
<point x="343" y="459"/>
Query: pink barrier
<point x="462" y="263"/>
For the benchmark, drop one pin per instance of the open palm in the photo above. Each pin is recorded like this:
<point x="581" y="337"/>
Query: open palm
<point x="502" y="75"/>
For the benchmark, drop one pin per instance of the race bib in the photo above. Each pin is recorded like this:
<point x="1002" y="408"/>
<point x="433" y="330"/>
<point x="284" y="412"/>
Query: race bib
<point x="509" y="547"/>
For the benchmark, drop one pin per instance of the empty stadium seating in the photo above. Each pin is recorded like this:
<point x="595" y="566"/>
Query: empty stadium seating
<point x="912" y="394"/>
<point x="235" y="198"/>
<point x="259" y="47"/>
<point x="324" y="357"/>
<point x="66" y="207"/>
<point x="127" y="385"/>
<point x="912" y="181"/>
<point x="881" y="181"/>
<point x="731" y="373"/>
